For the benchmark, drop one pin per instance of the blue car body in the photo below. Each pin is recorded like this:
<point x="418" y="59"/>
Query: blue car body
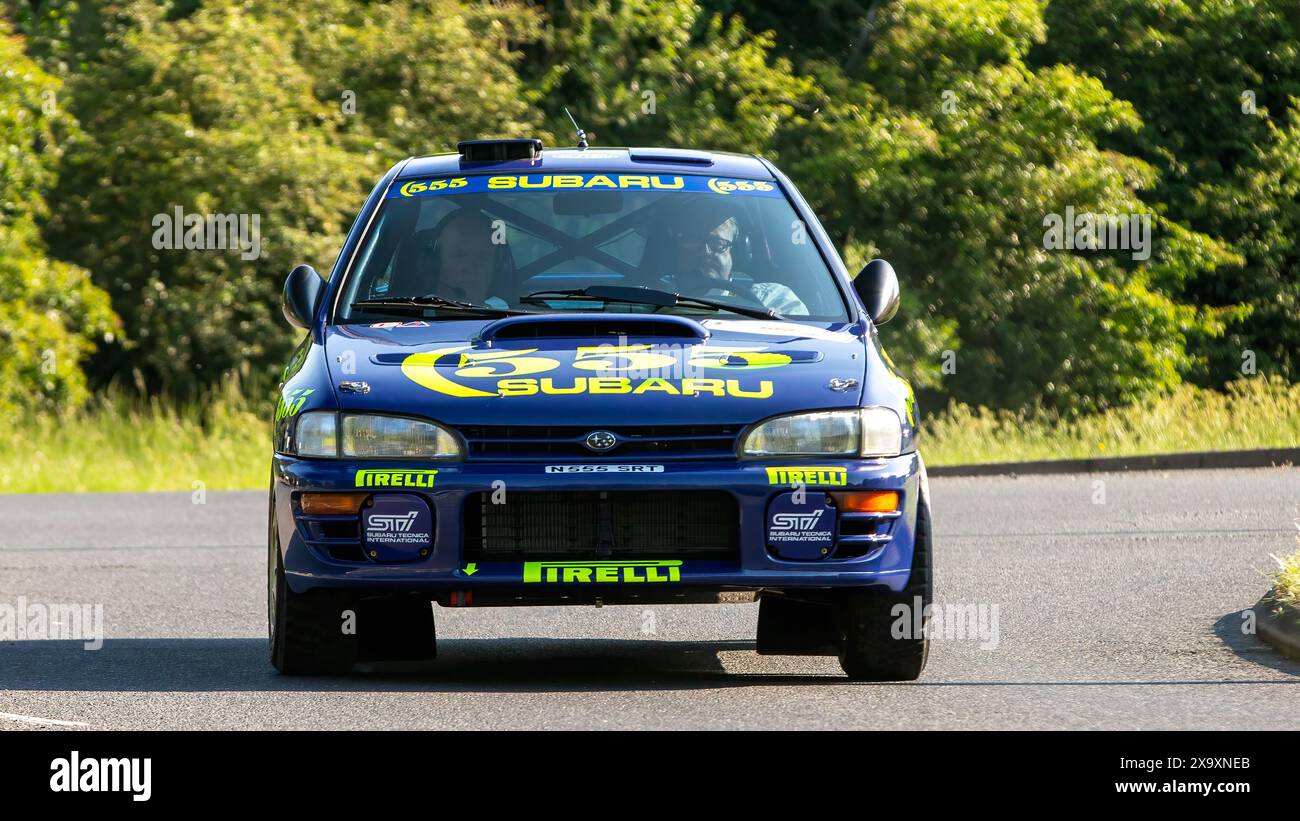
<point x="675" y="441"/>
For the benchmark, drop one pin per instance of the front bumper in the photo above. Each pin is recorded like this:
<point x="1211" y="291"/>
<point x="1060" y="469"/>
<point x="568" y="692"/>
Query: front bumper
<point x="444" y="574"/>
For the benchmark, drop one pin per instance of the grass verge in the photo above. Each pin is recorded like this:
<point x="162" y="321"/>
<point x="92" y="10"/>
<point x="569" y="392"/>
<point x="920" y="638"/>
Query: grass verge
<point x="1250" y="413"/>
<point x="119" y="444"/>
<point x="1286" y="580"/>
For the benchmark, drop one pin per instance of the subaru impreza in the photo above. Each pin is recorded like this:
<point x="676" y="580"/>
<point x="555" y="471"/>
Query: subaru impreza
<point x="594" y="376"/>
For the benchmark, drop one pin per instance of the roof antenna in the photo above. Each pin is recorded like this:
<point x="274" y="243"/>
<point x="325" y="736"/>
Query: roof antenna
<point x="582" y="135"/>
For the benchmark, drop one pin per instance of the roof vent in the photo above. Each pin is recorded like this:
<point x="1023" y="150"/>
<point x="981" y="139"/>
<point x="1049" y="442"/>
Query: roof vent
<point x="670" y="155"/>
<point x="499" y="150"/>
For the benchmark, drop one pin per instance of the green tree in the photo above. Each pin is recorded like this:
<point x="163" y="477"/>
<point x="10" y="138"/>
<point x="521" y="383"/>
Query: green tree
<point x="937" y="133"/>
<point x="240" y="108"/>
<point x="412" y="78"/>
<point x="954" y="154"/>
<point x="1217" y="83"/>
<point x="51" y="316"/>
<point x="647" y="72"/>
<point x="212" y="114"/>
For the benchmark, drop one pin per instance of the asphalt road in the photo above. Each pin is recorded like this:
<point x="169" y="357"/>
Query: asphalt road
<point x="1120" y="615"/>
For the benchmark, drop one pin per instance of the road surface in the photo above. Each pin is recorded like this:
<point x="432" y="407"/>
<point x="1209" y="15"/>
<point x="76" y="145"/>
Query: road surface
<point x="1117" y="598"/>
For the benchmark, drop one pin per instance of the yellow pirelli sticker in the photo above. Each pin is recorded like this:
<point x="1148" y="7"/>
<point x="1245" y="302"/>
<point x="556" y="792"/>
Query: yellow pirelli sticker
<point x="652" y="572"/>
<point x="809" y="476"/>
<point x="396" y="478"/>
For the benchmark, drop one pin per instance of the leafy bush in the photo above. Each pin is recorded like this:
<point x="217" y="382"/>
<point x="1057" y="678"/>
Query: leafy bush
<point x="937" y="133"/>
<point x="51" y="316"/>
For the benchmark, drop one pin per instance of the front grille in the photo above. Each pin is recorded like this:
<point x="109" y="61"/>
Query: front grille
<point x="524" y="442"/>
<point x="601" y="524"/>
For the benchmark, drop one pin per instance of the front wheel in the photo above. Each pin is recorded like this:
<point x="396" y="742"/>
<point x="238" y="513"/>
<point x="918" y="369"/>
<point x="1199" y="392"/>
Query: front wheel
<point x="879" y="640"/>
<point x="308" y="632"/>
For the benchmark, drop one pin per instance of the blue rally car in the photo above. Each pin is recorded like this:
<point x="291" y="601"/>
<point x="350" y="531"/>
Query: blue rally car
<point x="594" y="376"/>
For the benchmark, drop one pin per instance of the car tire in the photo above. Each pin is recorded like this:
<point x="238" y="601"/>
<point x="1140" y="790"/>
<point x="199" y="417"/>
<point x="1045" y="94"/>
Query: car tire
<point x="305" y="630"/>
<point x="868" y="649"/>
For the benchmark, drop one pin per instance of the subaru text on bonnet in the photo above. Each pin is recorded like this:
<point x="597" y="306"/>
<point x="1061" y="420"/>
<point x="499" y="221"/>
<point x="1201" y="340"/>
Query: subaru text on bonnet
<point x="594" y="376"/>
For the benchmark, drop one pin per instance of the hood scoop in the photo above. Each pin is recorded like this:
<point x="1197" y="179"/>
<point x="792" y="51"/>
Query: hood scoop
<point x="588" y="326"/>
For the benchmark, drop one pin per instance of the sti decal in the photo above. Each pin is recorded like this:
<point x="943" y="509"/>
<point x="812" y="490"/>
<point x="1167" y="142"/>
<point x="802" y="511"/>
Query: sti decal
<point x="398" y="527"/>
<point x="688" y="184"/>
<point x="666" y="570"/>
<point x="809" y="476"/>
<point x="395" y="478"/>
<point x="801" y="528"/>
<point x="456" y="371"/>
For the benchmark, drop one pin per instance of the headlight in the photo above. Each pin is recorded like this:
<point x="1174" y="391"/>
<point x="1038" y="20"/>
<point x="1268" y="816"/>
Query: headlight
<point x="371" y="436"/>
<point x="866" y="432"/>
<point x="317" y="434"/>
<point x="882" y="432"/>
<point x="827" y="432"/>
<point x="388" y="436"/>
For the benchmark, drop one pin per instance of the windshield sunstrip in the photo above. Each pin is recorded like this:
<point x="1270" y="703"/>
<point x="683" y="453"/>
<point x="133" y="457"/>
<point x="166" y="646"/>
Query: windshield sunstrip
<point x="679" y="183"/>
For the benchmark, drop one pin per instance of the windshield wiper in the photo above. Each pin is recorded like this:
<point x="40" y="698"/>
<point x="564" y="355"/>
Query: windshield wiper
<point x="419" y="304"/>
<point x="647" y="296"/>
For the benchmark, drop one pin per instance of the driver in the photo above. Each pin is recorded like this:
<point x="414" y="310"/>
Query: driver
<point x="702" y="236"/>
<point x="470" y="266"/>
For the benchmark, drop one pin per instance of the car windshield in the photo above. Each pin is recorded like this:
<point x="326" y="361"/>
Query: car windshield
<point x="557" y="242"/>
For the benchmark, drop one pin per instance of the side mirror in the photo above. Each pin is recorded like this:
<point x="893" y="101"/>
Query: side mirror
<point x="877" y="287"/>
<point x="303" y="289"/>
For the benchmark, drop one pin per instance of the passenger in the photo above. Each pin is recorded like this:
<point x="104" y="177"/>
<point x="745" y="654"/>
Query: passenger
<point x="703" y="237"/>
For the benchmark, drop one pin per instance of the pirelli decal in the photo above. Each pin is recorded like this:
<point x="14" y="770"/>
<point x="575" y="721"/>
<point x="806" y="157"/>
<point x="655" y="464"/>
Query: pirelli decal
<point x="396" y="478"/>
<point x="809" y="476"/>
<point x="651" y="572"/>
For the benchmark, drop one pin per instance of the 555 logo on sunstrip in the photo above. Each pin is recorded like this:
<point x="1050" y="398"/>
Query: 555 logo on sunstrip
<point x="411" y="189"/>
